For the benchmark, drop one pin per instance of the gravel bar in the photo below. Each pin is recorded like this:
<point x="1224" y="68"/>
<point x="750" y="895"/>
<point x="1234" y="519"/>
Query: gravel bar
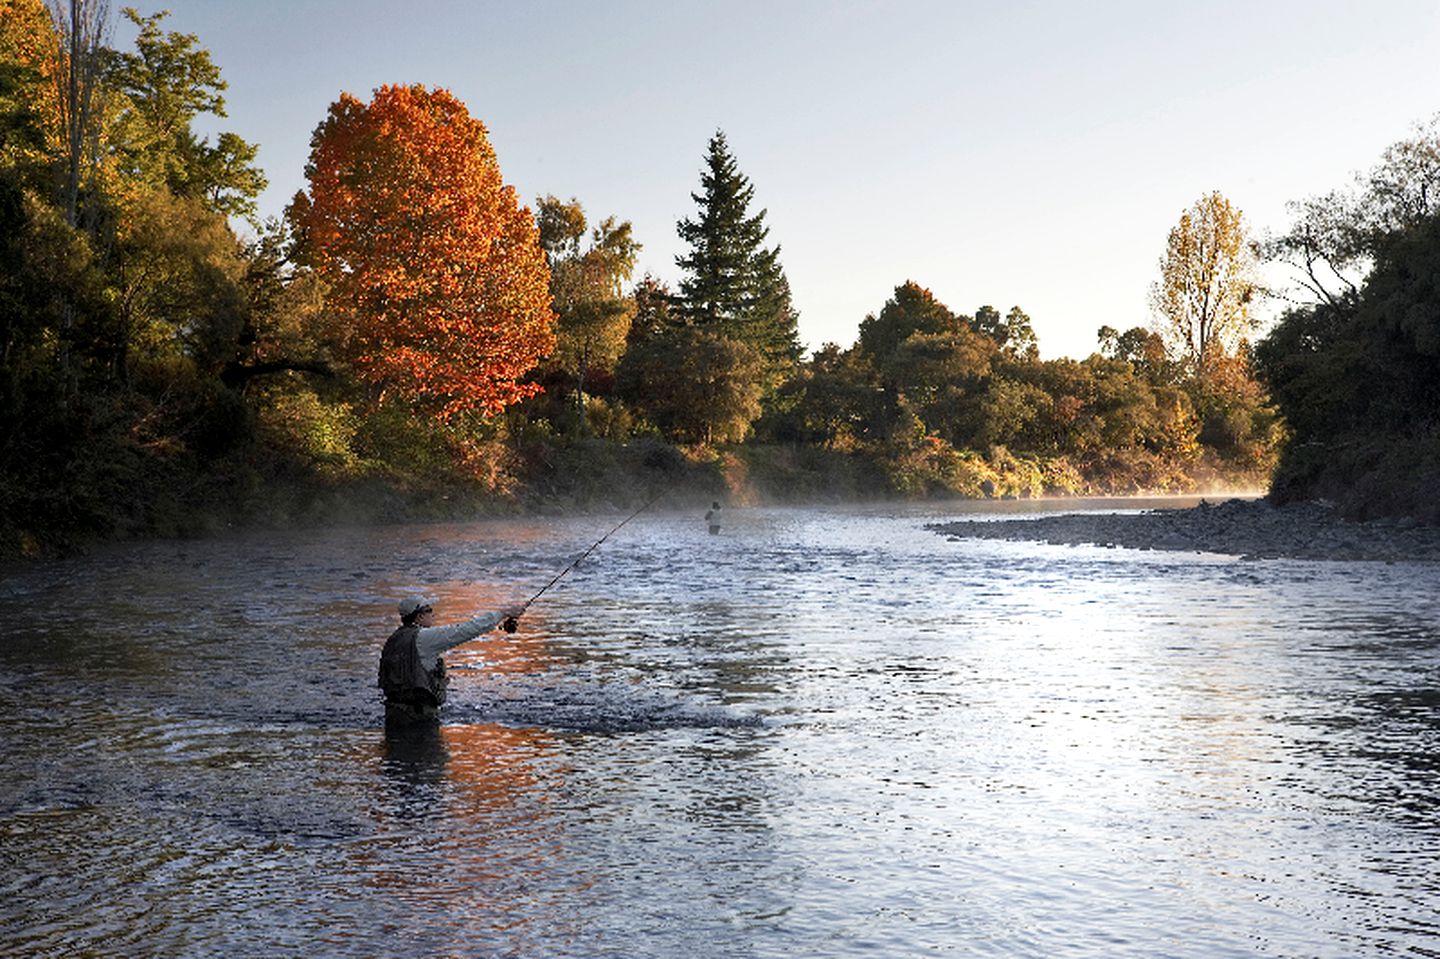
<point x="1250" y="529"/>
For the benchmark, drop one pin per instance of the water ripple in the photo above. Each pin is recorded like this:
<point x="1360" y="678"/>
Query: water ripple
<point x="820" y="733"/>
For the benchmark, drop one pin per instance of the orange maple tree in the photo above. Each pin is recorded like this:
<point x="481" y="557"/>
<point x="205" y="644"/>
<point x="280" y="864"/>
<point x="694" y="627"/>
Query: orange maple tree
<point x="435" y="271"/>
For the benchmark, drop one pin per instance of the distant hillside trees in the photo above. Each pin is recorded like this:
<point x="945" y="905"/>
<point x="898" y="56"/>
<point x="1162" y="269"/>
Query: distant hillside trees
<point x="945" y="401"/>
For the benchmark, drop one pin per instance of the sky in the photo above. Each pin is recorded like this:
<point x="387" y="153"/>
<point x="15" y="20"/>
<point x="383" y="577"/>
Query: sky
<point x="1008" y="153"/>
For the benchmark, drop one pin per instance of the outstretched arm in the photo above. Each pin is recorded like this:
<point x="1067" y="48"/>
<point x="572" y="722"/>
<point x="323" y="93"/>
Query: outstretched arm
<point x="434" y="640"/>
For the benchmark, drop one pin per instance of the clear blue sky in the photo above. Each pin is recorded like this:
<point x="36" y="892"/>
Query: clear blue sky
<point x="1004" y="153"/>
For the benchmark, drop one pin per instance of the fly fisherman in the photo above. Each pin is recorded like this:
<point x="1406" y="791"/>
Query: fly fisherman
<point x="412" y="674"/>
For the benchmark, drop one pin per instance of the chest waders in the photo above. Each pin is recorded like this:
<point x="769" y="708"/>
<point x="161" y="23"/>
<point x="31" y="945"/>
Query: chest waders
<point x="408" y="685"/>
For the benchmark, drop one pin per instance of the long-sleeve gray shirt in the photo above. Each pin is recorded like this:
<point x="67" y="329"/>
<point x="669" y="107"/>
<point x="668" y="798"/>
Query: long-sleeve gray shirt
<point x="434" y="640"/>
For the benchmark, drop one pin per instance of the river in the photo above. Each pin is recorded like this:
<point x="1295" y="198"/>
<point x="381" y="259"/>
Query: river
<point x="823" y="732"/>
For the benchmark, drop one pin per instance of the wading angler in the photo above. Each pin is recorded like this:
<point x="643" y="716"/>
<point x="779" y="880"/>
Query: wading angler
<point x="412" y="674"/>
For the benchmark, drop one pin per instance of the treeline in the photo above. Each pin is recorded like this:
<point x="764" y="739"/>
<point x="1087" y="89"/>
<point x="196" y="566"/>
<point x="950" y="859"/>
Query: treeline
<point x="1355" y="364"/>
<point x="927" y="401"/>
<point x="411" y="341"/>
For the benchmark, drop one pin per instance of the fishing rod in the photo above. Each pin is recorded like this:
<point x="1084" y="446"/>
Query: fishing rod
<point x="511" y="623"/>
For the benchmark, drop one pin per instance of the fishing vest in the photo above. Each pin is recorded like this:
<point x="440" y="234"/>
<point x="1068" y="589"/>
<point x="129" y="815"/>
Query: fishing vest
<point x="404" y="677"/>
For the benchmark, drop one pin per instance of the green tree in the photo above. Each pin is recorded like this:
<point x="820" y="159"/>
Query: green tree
<point x="285" y="328"/>
<point x="123" y="294"/>
<point x="1352" y="365"/>
<point x="168" y="81"/>
<point x="593" y="314"/>
<point x="1012" y="332"/>
<point x="1333" y="239"/>
<point x="1359" y="386"/>
<point x="177" y="272"/>
<point x="695" y="387"/>
<point x="1208" y="282"/>
<point x="911" y="309"/>
<point x="734" y="287"/>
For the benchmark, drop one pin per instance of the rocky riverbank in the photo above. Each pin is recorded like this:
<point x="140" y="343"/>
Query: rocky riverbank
<point x="1251" y="529"/>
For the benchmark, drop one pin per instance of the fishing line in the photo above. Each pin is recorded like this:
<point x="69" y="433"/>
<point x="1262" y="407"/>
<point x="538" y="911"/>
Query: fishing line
<point x="511" y="624"/>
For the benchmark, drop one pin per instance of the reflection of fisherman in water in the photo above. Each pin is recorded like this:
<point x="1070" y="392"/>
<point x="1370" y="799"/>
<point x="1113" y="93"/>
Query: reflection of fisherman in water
<point x="412" y="674"/>
<point x="415" y="752"/>
<point x="712" y="516"/>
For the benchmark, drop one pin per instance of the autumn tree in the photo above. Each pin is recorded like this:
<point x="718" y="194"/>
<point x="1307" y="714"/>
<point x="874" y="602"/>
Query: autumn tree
<point x="734" y="286"/>
<point x="1208" y="283"/>
<point x="435" y="270"/>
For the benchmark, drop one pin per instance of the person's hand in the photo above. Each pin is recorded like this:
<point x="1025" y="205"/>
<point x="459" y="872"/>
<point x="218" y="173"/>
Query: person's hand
<point x="513" y="612"/>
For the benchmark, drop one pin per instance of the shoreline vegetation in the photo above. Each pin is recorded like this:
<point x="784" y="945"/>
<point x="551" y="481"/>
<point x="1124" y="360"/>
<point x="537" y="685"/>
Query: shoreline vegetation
<point x="245" y="494"/>
<point x="410" y="341"/>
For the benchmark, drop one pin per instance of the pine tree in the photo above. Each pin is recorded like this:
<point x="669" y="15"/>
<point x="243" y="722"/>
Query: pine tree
<point x="734" y="286"/>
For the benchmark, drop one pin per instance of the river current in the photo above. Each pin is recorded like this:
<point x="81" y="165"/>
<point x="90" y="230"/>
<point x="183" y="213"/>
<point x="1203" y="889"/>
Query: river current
<point x="822" y="732"/>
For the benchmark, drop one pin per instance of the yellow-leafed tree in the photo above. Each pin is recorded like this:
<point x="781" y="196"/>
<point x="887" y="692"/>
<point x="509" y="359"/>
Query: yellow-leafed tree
<point x="1208" y="282"/>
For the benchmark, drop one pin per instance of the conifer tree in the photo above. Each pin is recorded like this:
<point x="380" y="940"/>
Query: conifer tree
<point x="734" y="286"/>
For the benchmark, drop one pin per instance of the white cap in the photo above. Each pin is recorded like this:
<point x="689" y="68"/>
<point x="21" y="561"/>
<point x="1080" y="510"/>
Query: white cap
<point x="408" y="606"/>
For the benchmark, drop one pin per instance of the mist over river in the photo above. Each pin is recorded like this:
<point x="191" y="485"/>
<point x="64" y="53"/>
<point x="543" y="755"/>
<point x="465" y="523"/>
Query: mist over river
<point x="822" y="732"/>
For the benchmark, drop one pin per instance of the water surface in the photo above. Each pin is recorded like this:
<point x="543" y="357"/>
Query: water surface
<point x="820" y="733"/>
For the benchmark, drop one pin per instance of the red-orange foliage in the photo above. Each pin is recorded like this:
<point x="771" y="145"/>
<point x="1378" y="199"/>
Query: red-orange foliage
<point x="435" y="270"/>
